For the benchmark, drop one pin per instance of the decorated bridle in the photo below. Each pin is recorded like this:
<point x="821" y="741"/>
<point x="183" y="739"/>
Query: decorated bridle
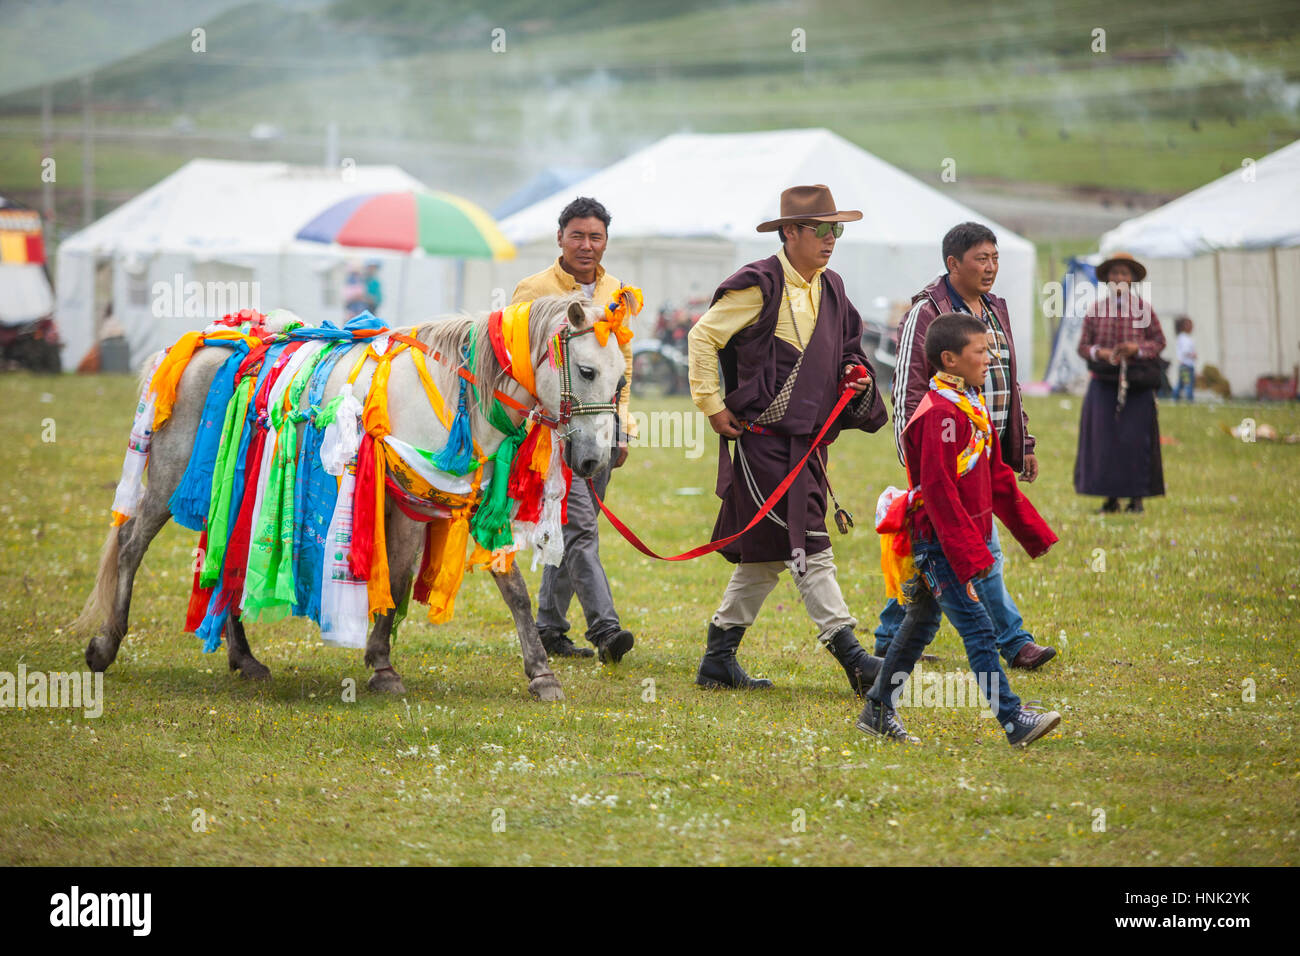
<point x="626" y="303"/>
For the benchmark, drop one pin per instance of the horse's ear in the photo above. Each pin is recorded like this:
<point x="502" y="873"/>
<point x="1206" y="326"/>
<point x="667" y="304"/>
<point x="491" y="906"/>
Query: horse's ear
<point x="577" y="315"/>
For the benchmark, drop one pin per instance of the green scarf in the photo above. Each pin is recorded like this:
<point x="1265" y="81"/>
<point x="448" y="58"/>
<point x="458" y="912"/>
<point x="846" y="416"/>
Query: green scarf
<point x="269" y="585"/>
<point x="490" y="523"/>
<point x="223" y="483"/>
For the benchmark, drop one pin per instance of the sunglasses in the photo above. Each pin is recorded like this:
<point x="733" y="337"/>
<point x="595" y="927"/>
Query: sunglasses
<point x="824" y="229"/>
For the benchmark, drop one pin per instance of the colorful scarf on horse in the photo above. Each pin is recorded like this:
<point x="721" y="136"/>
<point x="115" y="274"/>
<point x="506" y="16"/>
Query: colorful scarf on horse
<point x="314" y="497"/>
<point x="268" y="584"/>
<point x="344" y="602"/>
<point x="226" y="560"/>
<point x="189" y="502"/>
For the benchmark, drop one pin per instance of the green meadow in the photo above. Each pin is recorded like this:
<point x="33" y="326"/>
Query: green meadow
<point x="1175" y="678"/>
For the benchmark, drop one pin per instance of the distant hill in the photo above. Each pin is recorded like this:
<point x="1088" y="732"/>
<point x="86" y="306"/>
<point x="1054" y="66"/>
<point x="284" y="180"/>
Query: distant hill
<point x="47" y="40"/>
<point x="1011" y="92"/>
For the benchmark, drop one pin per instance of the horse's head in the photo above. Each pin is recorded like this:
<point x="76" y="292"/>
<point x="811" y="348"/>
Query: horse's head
<point x="594" y="373"/>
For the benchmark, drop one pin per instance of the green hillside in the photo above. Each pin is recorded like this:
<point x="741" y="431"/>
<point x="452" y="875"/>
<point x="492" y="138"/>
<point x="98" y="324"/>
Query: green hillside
<point x="1014" y="93"/>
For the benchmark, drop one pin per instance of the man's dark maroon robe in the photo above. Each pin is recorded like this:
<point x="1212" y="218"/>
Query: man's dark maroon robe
<point x="755" y="364"/>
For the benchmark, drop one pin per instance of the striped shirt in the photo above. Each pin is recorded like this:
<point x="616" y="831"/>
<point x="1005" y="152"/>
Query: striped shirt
<point x="997" y="383"/>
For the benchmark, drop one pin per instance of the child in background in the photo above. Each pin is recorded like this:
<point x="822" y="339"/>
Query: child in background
<point x="1185" y="346"/>
<point x="958" y="483"/>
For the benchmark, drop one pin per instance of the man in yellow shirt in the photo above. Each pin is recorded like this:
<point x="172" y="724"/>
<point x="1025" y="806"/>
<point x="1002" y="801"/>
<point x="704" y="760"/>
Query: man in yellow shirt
<point x="785" y="333"/>
<point x="582" y="236"/>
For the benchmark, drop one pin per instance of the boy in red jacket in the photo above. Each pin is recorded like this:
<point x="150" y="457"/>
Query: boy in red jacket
<point x="958" y="483"/>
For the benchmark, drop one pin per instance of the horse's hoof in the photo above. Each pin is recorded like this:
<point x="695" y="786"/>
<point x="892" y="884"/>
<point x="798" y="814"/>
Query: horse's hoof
<point x="96" y="659"/>
<point x="251" y="669"/>
<point x="546" y="687"/>
<point x="386" y="681"/>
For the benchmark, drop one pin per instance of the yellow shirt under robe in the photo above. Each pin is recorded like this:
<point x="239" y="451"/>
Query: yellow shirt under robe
<point x="739" y="309"/>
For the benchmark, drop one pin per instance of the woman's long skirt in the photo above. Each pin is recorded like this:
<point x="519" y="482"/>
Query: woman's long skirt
<point x="1118" y="457"/>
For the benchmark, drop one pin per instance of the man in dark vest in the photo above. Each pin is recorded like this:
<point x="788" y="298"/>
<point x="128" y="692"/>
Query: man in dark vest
<point x="785" y="333"/>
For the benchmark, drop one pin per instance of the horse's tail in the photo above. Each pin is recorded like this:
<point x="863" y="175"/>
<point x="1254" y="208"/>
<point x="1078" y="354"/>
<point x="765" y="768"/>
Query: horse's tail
<point x="100" y="600"/>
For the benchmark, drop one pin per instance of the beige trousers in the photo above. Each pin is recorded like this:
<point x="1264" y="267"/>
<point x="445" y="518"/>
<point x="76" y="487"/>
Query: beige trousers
<point x="752" y="582"/>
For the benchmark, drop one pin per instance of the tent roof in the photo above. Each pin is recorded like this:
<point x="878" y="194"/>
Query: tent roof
<point x="211" y="207"/>
<point x="722" y="185"/>
<point x="546" y="183"/>
<point x="1229" y="213"/>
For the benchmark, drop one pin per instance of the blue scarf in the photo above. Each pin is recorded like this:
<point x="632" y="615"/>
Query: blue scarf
<point x="189" y="502"/>
<point x="314" y="497"/>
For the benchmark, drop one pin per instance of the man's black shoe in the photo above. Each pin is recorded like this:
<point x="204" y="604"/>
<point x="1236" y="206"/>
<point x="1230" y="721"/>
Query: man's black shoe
<point x="719" y="668"/>
<point x="557" y="644"/>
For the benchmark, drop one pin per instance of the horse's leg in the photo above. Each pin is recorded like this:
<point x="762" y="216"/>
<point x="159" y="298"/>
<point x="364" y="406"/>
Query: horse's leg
<point x="133" y="539"/>
<point x="239" y="654"/>
<point x="403" y="537"/>
<point x="542" y="683"/>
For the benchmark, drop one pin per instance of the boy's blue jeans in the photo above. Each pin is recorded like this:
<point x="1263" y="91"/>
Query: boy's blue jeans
<point x="1186" y="382"/>
<point x="937" y="591"/>
<point x="1008" y="623"/>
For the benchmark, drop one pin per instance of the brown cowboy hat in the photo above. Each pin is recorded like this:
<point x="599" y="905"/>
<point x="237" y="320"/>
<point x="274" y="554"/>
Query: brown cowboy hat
<point x="1117" y="258"/>
<point x="801" y="203"/>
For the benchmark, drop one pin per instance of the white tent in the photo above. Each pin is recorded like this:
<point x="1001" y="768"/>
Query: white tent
<point x="1228" y="255"/>
<point x="684" y="210"/>
<point x="218" y="235"/>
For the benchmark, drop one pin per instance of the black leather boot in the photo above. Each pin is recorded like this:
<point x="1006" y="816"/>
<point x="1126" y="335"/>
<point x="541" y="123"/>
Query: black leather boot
<point x="859" y="666"/>
<point x="612" y="646"/>
<point x="719" y="668"/>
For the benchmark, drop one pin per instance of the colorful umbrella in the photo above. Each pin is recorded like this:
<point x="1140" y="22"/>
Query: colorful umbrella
<point x="439" y="223"/>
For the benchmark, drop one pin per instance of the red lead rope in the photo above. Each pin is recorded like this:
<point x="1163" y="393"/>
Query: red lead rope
<point x="846" y="395"/>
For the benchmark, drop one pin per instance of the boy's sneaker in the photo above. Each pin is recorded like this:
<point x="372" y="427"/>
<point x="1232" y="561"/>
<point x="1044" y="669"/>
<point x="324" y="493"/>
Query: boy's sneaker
<point x="1028" y="724"/>
<point x="881" y="720"/>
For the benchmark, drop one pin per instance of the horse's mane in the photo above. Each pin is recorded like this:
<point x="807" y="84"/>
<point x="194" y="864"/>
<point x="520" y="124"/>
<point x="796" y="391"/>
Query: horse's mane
<point x="451" y="335"/>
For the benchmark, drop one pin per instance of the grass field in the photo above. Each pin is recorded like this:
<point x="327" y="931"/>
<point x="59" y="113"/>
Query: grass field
<point x="1197" y="597"/>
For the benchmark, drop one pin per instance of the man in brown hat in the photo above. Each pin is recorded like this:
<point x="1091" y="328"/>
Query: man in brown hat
<point x="785" y="333"/>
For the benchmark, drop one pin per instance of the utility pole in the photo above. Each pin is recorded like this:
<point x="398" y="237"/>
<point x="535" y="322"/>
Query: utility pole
<point x="332" y="145"/>
<point x="87" y="155"/>
<point x="47" y="140"/>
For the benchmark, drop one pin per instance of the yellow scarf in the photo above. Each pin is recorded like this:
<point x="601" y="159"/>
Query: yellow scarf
<point x="981" y="437"/>
<point x="514" y="332"/>
<point x="167" y="379"/>
<point x="626" y="303"/>
<point x="896" y="562"/>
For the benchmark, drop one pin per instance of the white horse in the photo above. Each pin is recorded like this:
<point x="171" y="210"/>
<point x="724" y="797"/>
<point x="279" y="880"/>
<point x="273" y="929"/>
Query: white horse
<point x="586" y="376"/>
